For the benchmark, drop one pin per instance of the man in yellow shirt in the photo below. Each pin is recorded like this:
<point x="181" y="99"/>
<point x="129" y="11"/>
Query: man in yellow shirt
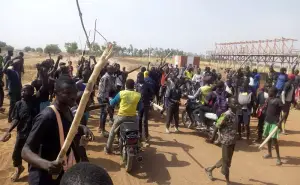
<point x="129" y="101"/>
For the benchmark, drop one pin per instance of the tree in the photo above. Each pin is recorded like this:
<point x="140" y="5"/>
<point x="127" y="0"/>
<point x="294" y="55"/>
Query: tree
<point x="27" y="49"/>
<point x="39" y="50"/>
<point x="130" y="49"/>
<point x="32" y="49"/>
<point x="2" y="44"/>
<point x="52" y="48"/>
<point x="8" y="47"/>
<point x="71" y="47"/>
<point x="140" y="53"/>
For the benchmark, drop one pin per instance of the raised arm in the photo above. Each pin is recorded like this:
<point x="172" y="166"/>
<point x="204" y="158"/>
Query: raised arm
<point x="50" y="73"/>
<point x="128" y="72"/>
<point x="148" y="67"/>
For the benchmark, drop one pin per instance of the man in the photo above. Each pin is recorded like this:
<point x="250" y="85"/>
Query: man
<point x="173" y="95"/>
<point x="14" y="85"/>
<point x="202" y="92"/>
<point x="20" y="67"/>
<point x="272" y="77"/>
<point x="288" y="98"/>
<point x="261" y="103"/>
<point x="50" y="129"/>
<point x="106" y="86"/>
<point x="1" y="83"/>
<point x="227" y="126"/>
<point x="146" y="96"/>
<point x="24" y="112"/>
<point x="7" y="58"/>
<point x="129" y="100"/>
<point x="281" y="79"/>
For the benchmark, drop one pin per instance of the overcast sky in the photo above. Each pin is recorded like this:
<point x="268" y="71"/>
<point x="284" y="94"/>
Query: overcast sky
<point x="190" y="25"/>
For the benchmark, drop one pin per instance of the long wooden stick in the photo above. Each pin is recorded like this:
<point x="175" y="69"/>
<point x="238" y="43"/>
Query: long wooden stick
<point x="101" y="35"/>
<point x="95" y="28"/>
<point x="81" y="20"/>
<point x="269" y="137"/>
<point x="83" y="102"/>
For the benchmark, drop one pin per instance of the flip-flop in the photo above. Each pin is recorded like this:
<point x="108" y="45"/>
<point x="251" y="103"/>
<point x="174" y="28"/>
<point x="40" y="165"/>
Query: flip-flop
<point x="267" y="156"/>
<point x="16" y="176"/>
<point x="209" y="174"/>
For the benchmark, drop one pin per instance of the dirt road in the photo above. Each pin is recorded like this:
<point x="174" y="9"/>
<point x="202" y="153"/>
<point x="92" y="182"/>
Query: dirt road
<point x="180" y="159"/>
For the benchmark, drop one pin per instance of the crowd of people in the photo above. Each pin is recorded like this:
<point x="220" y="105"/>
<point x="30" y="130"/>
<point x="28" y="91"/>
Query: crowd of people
<point x="43" y="111"/>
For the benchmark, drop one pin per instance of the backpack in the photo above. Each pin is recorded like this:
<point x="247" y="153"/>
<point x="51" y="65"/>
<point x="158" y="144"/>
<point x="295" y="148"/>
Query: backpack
<point x="244" y="98"/>
<point x="221" y="104"/>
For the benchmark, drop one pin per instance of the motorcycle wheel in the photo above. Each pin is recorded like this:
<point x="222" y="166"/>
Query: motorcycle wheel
<point x="129" y="161"/>
<point x="185" y="119"/>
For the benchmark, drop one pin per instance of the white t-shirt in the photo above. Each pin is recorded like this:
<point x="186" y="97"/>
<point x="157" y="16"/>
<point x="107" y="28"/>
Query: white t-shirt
<point x="197" y="78"/>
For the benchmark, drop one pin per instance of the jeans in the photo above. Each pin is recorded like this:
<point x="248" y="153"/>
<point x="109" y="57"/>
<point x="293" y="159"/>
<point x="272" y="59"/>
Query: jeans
<point x="14" y="97"/>
<point x="118" y="121"/>
<point x="143" y="119"/>
<point x="172" y="112"/>
<point x="16" y="156"/>
<point x="103" y="113"/>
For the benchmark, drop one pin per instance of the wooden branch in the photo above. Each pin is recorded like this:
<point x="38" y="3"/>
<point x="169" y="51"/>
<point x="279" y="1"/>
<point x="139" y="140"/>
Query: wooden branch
<point x="95" y="28"/>
<point x="101" y="35"/>
<point x="84" y="100"/>
<point x="81" y="20"/>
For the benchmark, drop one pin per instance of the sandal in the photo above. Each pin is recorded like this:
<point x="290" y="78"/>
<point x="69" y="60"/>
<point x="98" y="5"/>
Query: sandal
<point x="209" y="174"/>
<point x="267" y="156"/>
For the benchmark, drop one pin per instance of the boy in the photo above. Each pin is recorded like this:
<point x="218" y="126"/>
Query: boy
<point x="70" y="67"/>
<point x="273" y="111"/>
<point x="226" y="124"/>
<point x="23" y="114"/>
<point x="86" y="174"/>
<point x="14" y="85"/>
<point x="173" y="95"/>
<point x="45" y="138"/>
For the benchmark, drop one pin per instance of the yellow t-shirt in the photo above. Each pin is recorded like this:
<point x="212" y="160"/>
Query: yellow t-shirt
<point x="128" y="102"/>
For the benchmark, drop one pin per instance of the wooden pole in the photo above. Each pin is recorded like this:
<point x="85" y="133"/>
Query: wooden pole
<point x="269" y="137"/>
<point x="83" y="102"/>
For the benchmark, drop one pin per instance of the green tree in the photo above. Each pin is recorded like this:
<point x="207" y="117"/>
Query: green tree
<point x="32" y="49"/>
<point x="2" y="44"/>
<point x="27" y="49"/>
<point x="71" y="47"/>
<point x="130" y="49"/>
<point x="52" y="48"/>
<point x="140" y="53"/>
<point x="39" y="50"/>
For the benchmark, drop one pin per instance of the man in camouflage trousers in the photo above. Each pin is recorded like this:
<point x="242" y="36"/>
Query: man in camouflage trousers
<point x="227" y="125"/>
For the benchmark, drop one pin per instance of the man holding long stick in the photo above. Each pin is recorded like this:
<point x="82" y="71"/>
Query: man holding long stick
<point x="48" y="133"/>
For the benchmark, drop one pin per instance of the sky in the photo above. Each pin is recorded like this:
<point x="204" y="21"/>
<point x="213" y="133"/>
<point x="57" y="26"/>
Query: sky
<point x="190" y="25"/>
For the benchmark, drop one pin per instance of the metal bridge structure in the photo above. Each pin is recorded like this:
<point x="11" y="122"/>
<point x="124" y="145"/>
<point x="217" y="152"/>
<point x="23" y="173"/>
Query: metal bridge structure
<point x="278" y="52"/>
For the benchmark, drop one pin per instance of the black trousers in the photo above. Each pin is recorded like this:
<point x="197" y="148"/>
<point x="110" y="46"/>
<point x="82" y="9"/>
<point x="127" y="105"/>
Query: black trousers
<point x="103" y="113"/>
<point x="201" y="110"/>
<point x="14" y="97"/>
<point x="16" y="156"/>
<point x="1" y="95"/>
<point x="172" y="112"/>
<point x="260" y="126"/>
<point x="143" y="120"/>
<point x="225" y="161"/>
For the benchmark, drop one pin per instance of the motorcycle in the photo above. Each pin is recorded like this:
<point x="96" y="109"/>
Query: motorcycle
<point x="129" y="144"/>
<point x="209" y="122"/>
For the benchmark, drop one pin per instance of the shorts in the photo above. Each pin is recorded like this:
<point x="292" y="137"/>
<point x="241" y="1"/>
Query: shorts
<point x="268" y="128"/>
